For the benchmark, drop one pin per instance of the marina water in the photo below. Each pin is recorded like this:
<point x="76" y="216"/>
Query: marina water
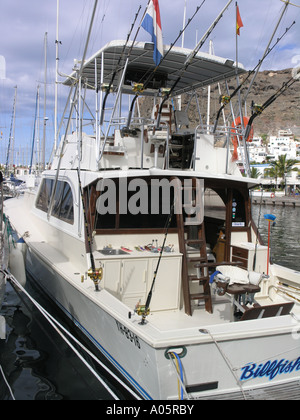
<point x="39" y="365"/>
<point x="285" y="234"/>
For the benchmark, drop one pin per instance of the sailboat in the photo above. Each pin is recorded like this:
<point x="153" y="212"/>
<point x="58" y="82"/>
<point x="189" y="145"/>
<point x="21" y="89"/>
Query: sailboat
<point x="120" y="235"/>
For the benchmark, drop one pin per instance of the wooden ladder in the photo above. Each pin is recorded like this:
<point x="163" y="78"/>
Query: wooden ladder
<point x="191" y="280"/>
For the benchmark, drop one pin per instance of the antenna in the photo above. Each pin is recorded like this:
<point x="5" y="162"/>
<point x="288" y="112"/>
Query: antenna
<point x="183" y="25"/>
<point x="287" y="2"/>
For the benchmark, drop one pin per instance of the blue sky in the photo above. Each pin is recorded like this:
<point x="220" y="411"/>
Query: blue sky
<point x="23" y="25"/>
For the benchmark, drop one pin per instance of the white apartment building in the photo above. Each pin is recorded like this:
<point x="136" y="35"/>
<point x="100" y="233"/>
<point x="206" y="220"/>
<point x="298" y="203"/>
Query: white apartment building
<point x="282" y="144"/>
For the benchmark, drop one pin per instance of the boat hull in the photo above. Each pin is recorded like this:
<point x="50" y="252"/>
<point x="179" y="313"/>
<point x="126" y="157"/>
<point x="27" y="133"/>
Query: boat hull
<point x="2" y="319"/>
<point x="233" y="361"/>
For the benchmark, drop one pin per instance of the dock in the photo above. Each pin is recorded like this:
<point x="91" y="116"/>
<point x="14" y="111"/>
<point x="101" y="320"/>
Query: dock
<point x="284" y="201"/>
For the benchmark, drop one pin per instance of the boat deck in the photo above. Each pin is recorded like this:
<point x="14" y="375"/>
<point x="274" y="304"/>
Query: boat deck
<point x="223" y="313"/>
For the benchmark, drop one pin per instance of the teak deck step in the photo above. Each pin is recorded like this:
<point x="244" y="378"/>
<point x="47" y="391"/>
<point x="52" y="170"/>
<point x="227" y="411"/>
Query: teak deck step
<point x="200" y="279"/>
<point x="199" y="296"/>
<point x="197" y="259"/>
<point x="194" y="241"/>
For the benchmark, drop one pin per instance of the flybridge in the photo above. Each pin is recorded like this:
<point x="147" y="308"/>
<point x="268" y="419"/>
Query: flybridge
<point x="204" y="70"/>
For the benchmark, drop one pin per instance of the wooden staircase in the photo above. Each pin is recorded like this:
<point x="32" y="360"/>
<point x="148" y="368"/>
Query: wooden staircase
<point x="195" y="266"/>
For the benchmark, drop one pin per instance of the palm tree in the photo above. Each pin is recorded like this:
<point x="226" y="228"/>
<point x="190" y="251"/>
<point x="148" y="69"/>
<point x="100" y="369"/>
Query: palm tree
<point x="255" y="173"/>
<point x="283" y="166"/>
<point x="272" y="173"/>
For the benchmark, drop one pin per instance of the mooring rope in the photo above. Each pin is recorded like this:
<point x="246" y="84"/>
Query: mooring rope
<point x="7" y="384"/>
<point x="59" y="328"/>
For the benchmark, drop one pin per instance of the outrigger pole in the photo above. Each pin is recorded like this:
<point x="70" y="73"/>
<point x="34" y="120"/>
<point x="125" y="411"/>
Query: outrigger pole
<point x="150" y="76"/>
<point x="226" y="99"/>
<point x="190" y="59"/>
<point x="278" y="23"/>
<point x="71" y="110"/>
<point x="258" y="109"/>
<point x="108" y="88"/>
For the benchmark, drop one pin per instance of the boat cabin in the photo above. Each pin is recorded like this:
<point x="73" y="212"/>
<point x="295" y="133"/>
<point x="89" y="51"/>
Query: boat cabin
<point x="152" y="180"/>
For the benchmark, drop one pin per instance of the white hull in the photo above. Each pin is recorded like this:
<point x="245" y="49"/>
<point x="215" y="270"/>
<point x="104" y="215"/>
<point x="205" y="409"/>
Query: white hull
<point x="214" y="363"/>
<point x="2" y="319"/>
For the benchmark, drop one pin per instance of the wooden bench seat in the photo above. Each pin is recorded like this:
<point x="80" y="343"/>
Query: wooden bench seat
<point x="267" y="311"/>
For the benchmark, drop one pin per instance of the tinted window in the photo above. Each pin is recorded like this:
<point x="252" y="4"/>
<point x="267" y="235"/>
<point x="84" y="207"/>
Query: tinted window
<point x="43" y="199"/>
<point x="63" y="200"/>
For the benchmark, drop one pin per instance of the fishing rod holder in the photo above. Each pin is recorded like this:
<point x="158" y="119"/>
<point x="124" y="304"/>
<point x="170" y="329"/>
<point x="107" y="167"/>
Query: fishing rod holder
<point x="96" y="276"/>
<point x="106" y="87"/>
<point x="138" y="88"/>
<point x="256" y="108"/>
<point x="224" y="99"/>
<point x="140" y="310"/>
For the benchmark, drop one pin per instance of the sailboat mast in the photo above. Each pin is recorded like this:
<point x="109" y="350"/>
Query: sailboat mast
<point x="56" y="79"/>
<point x="11" y="141"/>
<point x="43" y="160"/>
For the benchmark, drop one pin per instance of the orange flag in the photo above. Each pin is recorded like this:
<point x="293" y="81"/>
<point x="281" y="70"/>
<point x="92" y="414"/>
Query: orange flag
<point x="239" y="23"/>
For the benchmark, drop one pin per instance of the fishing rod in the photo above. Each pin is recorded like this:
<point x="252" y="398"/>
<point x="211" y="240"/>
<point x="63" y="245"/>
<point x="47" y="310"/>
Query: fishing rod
<point x="108" y="88"/>
<point x="258" y="109"/>
<point x="144" y="85"/>
<point x="144" y="310"/>
<point x="190" y="59"/>
<point x="72" y="107"/>
<point x="93" y="273"/>
<point x="226" y="99"/>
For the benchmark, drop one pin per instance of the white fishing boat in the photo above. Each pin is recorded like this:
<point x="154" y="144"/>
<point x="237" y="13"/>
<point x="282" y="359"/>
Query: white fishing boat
<point x="120" y="233"/>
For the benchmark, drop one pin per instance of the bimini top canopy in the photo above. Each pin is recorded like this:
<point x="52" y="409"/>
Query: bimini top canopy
<point x="203" y="70"/>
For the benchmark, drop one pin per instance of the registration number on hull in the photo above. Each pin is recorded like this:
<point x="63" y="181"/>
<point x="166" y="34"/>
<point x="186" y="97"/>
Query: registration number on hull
<point x="133" y="338"/>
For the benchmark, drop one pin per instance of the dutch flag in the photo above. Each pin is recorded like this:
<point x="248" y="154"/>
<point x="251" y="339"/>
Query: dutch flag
<point x="152" y="24"/>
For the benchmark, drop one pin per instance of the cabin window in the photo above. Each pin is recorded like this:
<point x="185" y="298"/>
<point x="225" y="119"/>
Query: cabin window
<point x="63" y="200"/>
<point x="135" y="210"/>
<point x="44" y="196"/>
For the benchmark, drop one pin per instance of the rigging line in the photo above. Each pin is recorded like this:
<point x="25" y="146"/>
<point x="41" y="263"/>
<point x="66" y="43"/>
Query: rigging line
<point x="7" y="384"/>
<point x="231" y="368"/>
<point x="58" y="327"/>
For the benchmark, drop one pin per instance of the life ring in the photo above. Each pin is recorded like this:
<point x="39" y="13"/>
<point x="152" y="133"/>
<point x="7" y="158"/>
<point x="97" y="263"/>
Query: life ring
<point x="236" y="124"/>
<point x="272" y="195"/>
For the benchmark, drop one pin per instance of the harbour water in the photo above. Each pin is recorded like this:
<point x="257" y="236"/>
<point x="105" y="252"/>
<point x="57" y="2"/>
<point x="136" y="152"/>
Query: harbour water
<point x="39" y="365"/>
<point x="285" y="234"/>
